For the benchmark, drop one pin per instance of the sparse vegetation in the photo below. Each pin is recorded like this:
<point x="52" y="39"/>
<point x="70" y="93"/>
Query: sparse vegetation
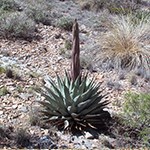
<point x="17" y="24"/>
<point x="22" y="138"/>
<point x="10" y="73"/>
<point x="19" y="89"/>
<point x="2" y="70"/>
<point x="34" y="120"/>
<point x="9" y="5"/>
<point x="133" y="80"/>
<point x="140" y="16"/>
<point x="123" y="45"/>
<point x="65" y="53"/>
<point x="2" y="133"/>
<point x="114" y="85"/>
<point x="85" y="63"/>
<point x="34" y="117"/>
<point x="68" y="44"/>
<point x="65" y="23"/>
<point x="137" y="114"/>
<point x="34" y="74"/>
<point x="3" y="91"/>
<point x="114" y="7"/>
<point x="18" y="19"/>
<point x="39" y="11"/>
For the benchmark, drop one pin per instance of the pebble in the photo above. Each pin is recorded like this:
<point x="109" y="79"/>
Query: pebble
<point x="14" y="106"/>
<point x="45" y="143"/>
<point x="31" y="82"/>
<point x="25" y="96"/>
<point x="88" y="135"/>
<point x="1" y="112"/>
<point x="23" y="109"/>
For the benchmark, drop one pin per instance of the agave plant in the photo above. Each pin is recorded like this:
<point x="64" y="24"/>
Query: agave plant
<point x="74" y="105"/>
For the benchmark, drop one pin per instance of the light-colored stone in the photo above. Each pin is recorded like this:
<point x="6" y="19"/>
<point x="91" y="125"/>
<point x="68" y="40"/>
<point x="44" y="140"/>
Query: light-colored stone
<point x="88" y="135"/>
<point x="1" y="112"/>
<point x="14" y="106"/>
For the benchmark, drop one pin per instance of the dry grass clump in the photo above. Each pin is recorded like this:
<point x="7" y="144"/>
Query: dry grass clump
<point x="115" y="7"/>
<point x="22" y="138"/>
<point x="125" y="45"/>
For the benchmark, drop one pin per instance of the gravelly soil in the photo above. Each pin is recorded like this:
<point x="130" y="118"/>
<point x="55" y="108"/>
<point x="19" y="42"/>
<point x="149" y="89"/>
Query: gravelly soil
<point x="36" y="60"/>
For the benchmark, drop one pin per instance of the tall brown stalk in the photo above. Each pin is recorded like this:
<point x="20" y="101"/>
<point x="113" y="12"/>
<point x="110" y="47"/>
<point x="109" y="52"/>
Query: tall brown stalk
<point x="75" y="62"/>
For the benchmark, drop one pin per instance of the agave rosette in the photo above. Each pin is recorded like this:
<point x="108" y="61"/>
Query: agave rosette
<point x="74" y="105"/>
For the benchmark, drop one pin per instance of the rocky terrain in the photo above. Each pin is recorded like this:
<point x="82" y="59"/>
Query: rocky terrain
<point x="29" y="63"/>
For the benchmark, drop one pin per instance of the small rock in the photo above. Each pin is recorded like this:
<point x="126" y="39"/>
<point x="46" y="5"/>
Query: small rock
<point x="24" y="109"/>
<point x="31" y="82"/>
<point x="45" y="131"/>
<point x="12" y="88"/>
<point x="1" y="112"/>
<point x="122" y="76"/>
<point x="59" y="58"/>
<point x="88" y="144"/>
<point x="88" y="135"/>
<point x="77" y="146"/>
<point x="28" y="64"/>
<point x="14" y="106"/>
<point x="25" y="96"/>
<point x="45" y="142"/>
<point x="83" y="29"/>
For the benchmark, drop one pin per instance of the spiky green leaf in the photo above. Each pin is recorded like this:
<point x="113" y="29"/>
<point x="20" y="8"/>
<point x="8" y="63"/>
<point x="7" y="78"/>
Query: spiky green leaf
<point x="77" y="103"/>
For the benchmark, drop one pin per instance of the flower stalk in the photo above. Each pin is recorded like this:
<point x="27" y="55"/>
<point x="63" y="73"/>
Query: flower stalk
<point x="75" y="60"/>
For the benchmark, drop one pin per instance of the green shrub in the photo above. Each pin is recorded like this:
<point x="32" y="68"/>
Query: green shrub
<point x="9" y="5"/>
<point x="68" y="44"/>
<point x="39" y="11"/>
<point x="17" y="24"/>
<point x="2" y="70"/>
<point x="85" y="63"/>
<point x="137" y="114"/>
<point x="74" y="105"/>
<point x="3" y="91"/>
<point x="65" y="23"/>
<point x="140" y="16"/>
<point x="19" y="18"/>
